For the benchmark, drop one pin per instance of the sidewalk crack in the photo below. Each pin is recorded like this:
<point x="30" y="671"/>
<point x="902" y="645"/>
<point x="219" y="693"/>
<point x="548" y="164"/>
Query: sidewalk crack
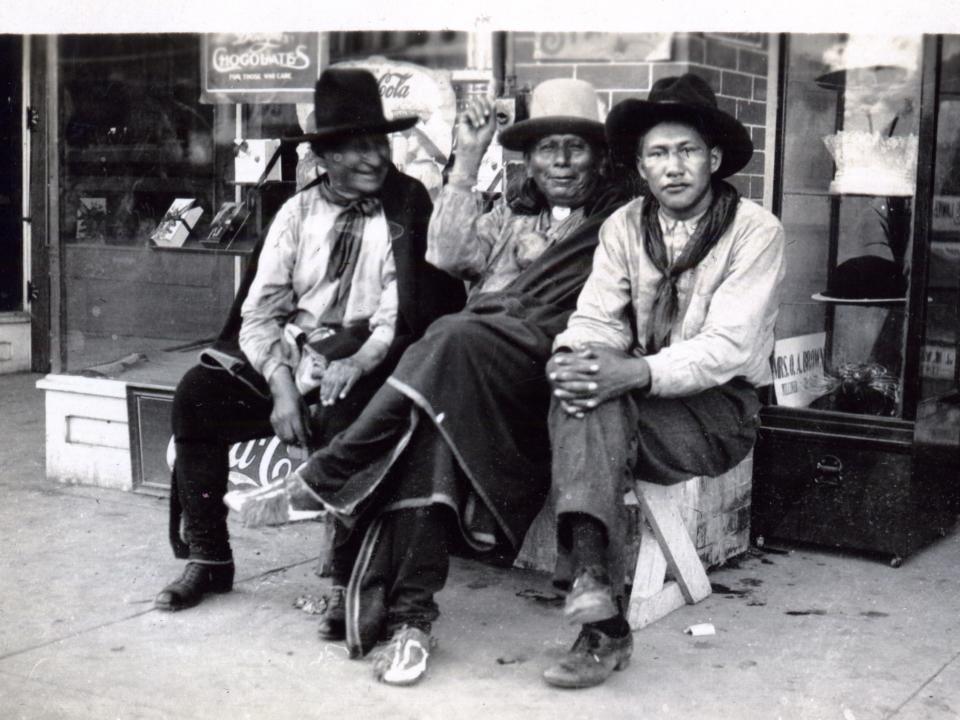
<point x="896" y="710"/>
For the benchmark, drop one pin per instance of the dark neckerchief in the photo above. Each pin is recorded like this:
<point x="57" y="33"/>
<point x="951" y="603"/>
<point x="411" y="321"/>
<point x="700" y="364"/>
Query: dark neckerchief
<point x="346" y="237"/>
<point x="714" y="223"/>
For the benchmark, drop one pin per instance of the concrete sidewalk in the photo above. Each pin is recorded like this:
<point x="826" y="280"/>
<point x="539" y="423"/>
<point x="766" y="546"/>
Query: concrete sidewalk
<point x="800" y="634"/>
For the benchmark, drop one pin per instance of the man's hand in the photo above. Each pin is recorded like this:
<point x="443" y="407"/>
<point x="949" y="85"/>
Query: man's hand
<point x="290" y="417"/>
<point x="338" y="379"/>
<point x="475" y="129"/>
<point x="582" y="380"/>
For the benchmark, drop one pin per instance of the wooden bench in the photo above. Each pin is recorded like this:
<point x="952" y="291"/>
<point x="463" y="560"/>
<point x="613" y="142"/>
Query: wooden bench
<point x="677" y="532"/>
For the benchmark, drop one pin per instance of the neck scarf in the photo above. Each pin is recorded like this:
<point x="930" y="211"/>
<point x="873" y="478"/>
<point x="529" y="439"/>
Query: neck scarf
<point x="714" y="223"/>
<point x="346" y="236"/>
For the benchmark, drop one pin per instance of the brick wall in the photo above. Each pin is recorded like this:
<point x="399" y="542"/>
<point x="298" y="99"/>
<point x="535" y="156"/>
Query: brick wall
<point x="736" y="72"/>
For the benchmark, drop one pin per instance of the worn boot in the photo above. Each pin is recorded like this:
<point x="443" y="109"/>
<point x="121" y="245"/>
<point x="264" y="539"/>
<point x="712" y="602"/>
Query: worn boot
<point x="592" y="659"/>
<point x="197" y="580"/>
<point x="333" y="622"/>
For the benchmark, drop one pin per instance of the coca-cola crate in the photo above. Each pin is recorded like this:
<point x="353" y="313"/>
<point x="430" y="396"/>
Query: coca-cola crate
<point x="252" y="463"/>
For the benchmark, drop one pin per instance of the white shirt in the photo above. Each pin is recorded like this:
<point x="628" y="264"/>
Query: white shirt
<point x="728" y="303"/>
<point x="290" y="284"/>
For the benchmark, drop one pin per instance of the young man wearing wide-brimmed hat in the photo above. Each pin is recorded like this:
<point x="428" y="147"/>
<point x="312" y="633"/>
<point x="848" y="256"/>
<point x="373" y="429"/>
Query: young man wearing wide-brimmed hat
<point x="336" y="291"/>
<point x="657" y="372"/>
<point x="454" y="450"/>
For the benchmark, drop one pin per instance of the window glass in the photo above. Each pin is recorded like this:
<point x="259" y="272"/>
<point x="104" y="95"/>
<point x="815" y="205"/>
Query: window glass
<point x="938" y="368"/>
<point x="134" y="137"/>
<point x="848" y="176"/>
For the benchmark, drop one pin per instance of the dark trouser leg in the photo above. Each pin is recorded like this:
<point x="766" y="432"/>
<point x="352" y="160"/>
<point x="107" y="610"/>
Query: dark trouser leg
<point x="421" y="562"/>
<point x="211" y="410"/>
<point x="343" y="553"/>
<point x="664" y="440"/>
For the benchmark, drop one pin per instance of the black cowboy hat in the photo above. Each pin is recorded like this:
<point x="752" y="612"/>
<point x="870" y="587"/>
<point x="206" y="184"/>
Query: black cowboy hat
<point x="347" y="102"/>
<point x="687" y="99"/>
<point x="865" y="279"/>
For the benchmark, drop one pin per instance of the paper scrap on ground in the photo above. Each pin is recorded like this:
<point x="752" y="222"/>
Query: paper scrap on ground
<point x="701" y="629"/>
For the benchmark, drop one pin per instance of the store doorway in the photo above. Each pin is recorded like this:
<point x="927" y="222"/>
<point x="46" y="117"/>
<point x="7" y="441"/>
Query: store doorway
<point x="11" y="175"/>
<point x="15" y="326"/>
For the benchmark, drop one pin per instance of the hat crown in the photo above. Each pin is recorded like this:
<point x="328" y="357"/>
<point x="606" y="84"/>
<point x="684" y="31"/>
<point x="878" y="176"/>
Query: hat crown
<point x="347" y="96"/>
<point x="564" y="97"/>
<point x="688" y="89"/>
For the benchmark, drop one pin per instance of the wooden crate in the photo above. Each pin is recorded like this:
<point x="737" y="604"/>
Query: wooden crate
<point x="715" y="510"/>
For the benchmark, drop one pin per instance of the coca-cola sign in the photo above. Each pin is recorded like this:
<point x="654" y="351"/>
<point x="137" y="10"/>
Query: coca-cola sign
<point x="259" y="67"/>
<point x="253" y="463"/>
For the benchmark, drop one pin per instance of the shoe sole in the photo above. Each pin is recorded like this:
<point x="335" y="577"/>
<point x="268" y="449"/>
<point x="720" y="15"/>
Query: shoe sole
<point x="571" y="684"/>
<point x="176" y="607"/>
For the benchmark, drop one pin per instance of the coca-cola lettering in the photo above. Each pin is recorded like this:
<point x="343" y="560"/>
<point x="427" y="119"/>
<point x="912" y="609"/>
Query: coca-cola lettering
<point x="242" y="455"/>
<point x="394" y="85"/>
<point x="282" y="467"/>
<point x="265" y="457"/>
<point x="260" y="56"/>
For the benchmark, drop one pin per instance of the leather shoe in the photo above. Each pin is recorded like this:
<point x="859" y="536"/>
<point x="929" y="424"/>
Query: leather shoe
<point x="405" y="659"/>
<point x="590" y="599"/>
<point x="592" y="659"/>
<point x="197" y="580"/>
<point x="333" y="622"/>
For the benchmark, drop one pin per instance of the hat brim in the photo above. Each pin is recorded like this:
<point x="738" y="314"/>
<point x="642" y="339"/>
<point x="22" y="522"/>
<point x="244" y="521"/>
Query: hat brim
<point x="338" y="131"/>
<point x="820" y="297"/>
<point x="631" y="118"/>
<point x="521" y="135"/>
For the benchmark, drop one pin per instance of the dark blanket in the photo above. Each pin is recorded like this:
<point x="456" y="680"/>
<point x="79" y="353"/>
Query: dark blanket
<point x="478" y="376"/>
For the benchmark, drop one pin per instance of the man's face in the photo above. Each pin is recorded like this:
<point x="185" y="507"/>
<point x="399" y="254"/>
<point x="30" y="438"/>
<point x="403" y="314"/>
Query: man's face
<point x="677" y="164"/>
<point x="357" y="166"/>
<point x="565" y="169"/>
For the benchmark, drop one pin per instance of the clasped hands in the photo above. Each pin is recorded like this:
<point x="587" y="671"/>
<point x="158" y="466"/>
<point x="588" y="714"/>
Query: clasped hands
<point x="583" y="379"/>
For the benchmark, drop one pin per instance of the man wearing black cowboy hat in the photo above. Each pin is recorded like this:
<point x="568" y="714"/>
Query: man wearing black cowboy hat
<point x="334" y="293"/>
<point x="657" y="372"/>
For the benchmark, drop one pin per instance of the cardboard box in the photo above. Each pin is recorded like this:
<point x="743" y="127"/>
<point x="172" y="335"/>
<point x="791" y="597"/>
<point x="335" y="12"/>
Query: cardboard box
<point x="176" y="225"/>
<point x="251" y="161"/>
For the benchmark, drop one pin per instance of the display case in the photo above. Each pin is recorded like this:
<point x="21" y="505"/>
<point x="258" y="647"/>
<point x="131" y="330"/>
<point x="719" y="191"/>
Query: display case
<point x="860" y="442"/>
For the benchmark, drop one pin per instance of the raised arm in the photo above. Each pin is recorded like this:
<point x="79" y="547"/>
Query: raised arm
<point x="460" y="236"/>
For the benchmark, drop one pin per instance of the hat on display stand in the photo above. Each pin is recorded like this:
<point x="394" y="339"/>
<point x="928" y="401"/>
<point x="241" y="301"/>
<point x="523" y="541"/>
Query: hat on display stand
<point x="869" y="163"/>
<point x="865" y="280"/>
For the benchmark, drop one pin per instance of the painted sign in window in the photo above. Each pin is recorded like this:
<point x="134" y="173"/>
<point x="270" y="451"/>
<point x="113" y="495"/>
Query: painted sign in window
<point x="259" y="67"/>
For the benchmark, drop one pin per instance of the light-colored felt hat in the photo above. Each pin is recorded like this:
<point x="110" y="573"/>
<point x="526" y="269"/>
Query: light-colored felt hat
<point x="562" y="106"/>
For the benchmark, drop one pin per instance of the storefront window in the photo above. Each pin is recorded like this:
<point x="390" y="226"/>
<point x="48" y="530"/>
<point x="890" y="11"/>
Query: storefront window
<point x="848" y="179"/>
<point x="438" y="50"/>
<point x="140" y="129"/>
<point x="135" y="137"/>
<point x="938" y="367"/>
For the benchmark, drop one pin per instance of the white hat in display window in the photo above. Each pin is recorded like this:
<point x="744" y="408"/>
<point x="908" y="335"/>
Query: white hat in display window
<point x="877" y="81"/>
<point x="872" y="164"/>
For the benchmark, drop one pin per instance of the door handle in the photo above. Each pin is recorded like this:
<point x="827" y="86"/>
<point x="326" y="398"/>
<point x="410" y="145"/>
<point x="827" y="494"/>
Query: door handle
<point x="829" y="471"/>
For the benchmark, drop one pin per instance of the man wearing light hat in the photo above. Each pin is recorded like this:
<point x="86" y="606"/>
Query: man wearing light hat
<point x="333" y="295"/>
<point x="656" y="375"/>
<point x="453" y="450"/>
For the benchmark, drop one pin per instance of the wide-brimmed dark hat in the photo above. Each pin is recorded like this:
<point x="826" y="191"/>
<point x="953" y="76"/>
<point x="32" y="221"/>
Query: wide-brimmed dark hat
<point x="865" y="279"/>
<point x="347" y="102"/>
<point x="562" y="106"/>
<point x="687" y="99"/>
